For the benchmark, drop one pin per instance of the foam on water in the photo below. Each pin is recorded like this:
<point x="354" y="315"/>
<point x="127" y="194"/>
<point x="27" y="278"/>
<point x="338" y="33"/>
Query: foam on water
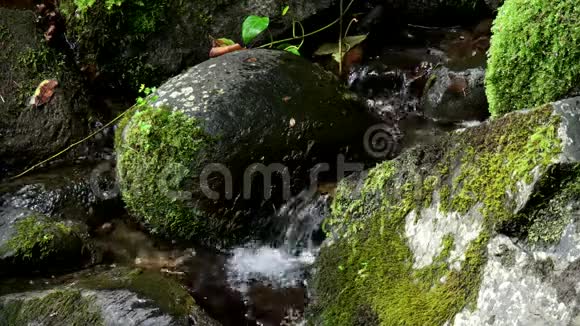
<point x="283" y="266"/>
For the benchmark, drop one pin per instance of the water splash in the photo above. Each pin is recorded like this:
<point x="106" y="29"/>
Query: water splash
<point x="284" y="263"/>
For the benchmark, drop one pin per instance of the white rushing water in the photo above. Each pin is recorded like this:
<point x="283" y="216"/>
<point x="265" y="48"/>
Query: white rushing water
<point x="283" y="266"/>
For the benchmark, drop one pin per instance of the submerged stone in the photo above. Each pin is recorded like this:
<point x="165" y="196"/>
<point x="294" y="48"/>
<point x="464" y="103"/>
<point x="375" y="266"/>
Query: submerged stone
<point x="418" y="240"/>
<point x="186" y="161"/>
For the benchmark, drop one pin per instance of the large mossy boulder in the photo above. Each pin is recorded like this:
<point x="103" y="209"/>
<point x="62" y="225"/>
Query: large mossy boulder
<point x="242" y="109"/>
<point x="27" y="133"/>
<point x="458" y="231"/>
<point x="109" y="298"/>
<point x="534" y="56"/>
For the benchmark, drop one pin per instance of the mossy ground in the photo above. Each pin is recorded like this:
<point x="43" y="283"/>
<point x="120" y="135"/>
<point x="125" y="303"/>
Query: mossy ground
<point x="534" y="56"/>
<point x="156" y="150"/>
<point x="370" y="263"/>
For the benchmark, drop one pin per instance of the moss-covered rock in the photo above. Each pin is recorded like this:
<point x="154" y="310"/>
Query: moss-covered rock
<point x="30" y="240"/>
<point x="114" y="297"/>
<point x="245" y="108"/>
<point x="28" y="134"/>
<point x="534" y="56"/>
<point x="409" y="239"/>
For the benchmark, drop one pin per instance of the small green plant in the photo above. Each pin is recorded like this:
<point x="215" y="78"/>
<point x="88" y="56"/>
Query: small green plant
<point x="148" y="95"/>
<point x="253" y="26"/>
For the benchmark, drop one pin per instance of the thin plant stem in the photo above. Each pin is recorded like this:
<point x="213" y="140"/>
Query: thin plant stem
<point x="340" y="41"/>
<point x="308" y="34"/>
<point x="73" y="145"/>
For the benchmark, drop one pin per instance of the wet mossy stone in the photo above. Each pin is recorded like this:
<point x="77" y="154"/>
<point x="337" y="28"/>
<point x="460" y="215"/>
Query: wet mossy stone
<point x="534" y="56"/>
<point x="115" y="297"/>
<point x="243" y="108"/>
<point x="29" y="134"/>
<point x="30" y="241"/>
<point x="408" y="239"/>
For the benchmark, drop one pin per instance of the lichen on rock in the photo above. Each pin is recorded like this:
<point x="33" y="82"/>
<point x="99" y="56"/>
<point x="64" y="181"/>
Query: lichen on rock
<point x="409" y="239"/>
<point x="534" y="56"/>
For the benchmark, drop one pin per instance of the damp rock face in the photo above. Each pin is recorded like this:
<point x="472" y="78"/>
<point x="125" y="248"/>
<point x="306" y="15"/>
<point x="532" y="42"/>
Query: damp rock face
<point x="478" y="229"/>
<point x="29" y="134"/>
<point x="455" y="96"/>
<point x="234" y="112"/>
<point x="109" y="298"/>
<point x="86" y="193"/>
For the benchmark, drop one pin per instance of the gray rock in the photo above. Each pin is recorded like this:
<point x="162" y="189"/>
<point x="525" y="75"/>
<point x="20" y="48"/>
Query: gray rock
<point x="455" y="96"/>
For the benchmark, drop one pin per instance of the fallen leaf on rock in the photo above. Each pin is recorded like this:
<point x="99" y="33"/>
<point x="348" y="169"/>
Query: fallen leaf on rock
<point x="250" y="60"/>
<point x="44" y="92"/>
<point x="221" y="50"/>
<point x="285" y="99"/>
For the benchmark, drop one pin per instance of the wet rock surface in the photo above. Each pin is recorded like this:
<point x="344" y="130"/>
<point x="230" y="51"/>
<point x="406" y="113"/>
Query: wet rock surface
<point x="455" y="96"/>
<point x="86" y="192"/>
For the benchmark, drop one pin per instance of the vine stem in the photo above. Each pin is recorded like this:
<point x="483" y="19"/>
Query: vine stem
<point x="309" y="34"/>
<point x="73" y="145"/>
<point x="340" y="41"/>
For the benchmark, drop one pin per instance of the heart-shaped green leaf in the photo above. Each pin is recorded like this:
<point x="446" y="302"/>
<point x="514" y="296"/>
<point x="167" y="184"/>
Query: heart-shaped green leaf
<point x="253" y="26"/>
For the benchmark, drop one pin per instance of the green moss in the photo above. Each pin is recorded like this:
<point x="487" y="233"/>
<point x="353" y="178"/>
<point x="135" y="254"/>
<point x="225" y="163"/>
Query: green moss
<point x="370" y="263"/>
<point x="38" y="238"/>
<point x="60" y="307"/>
<point x="534" y="56"/>
<point x="168" y="294"/>
<point x="154" y="162"/>
<point x="552" y="208"/>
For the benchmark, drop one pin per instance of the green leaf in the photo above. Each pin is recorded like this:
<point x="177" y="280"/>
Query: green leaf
<point x="332" y="48"/>
<point x="293" y="49"/>
<point x="253" y="26"/>
<point x="225" y="41"/>
<point x="285" y="10"/>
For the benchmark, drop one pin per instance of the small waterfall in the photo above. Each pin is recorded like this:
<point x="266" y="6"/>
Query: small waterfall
<point x="283" y="263"/>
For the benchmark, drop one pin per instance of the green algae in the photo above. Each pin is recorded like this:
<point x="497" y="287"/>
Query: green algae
<point x="156" y="153"/>
<point x="481" y="168"/>
<point x="534" y="56"/>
